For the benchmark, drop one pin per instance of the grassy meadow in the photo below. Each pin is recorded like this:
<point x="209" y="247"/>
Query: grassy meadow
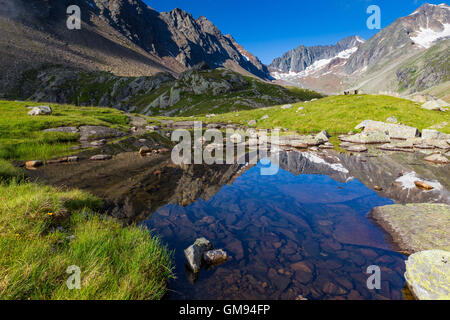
<point x="22" y="138"/>
<point x="336" y="114"/>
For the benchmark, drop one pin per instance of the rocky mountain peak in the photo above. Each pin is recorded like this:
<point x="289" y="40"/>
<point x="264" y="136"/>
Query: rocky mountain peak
<point x="301" y="58"/>
<point x="167" y="41"/>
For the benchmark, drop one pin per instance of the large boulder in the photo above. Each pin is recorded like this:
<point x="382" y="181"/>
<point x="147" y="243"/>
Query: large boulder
<point x="99" y="132"/>
<point x="428" y="275"/>
<point x="416" y="227"/>
<point x="40" y="110"/>
<point x="194" y="253"/>
<point x="435" y="105"/>
<point x="395" y="131"/>
<point x="372" y="137"/>
<point x="434" y="135"/>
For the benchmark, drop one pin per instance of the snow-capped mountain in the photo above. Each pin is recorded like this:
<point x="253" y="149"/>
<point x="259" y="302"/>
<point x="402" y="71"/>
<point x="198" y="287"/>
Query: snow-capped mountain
<point x="305" y="59"/>
<point x="323" y="60"/>
<point x="412" y="45"/>
<point x="428" y="25"/>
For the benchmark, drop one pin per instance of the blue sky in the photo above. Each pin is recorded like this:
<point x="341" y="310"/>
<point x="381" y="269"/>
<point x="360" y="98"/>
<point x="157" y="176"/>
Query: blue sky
<point x="268" y="28"/>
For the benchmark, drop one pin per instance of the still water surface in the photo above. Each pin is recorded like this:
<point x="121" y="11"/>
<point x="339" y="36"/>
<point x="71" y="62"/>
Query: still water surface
<point x="287" y="235"/>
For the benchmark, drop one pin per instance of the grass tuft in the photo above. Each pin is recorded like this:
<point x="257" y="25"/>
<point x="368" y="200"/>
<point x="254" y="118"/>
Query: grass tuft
<point x="44" y="230"/>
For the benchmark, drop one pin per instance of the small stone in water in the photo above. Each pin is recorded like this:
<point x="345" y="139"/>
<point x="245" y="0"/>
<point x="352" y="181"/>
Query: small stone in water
<point x="194" y="253"/>
<point x="215" y="257"/>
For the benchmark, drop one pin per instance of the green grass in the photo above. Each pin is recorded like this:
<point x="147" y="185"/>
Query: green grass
<point x="116" y="262"/>
<point x="21" y="136"/>
<point x="336" y="114"/>
<point x="8" y="171"/>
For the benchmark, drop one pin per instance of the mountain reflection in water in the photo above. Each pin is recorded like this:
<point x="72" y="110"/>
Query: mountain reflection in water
<point x="287" y="235"/>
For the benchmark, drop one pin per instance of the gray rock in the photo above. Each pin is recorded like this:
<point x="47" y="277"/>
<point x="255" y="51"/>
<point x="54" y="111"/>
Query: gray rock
<point x="286" y="106"/>
<point x="440" y="144"/>
<point x="99" y="132"/>
<point x="416" y="227"/>
<point x="194" y="254"/>
<point x="405" y="146"/>
<point x="327" y="145"/>
<point x="63" y="129"/>
<point x="371" y="137"/>
<point x="251" y="122"/>
<point x="213" y="126"/>
<point x="322" y="136"/>
<point x="392" y="120"/>
<point x="100" y="157"/>
<point x="437" y="158"/>
<point x="357" y="148"/>
<point x="428" y="134"/>
<point x="434" y="106"/>
<point x="265" y="117"/>
<point x="40" y="110"/>
<point x="428" y="275"/>
<point x="298" y="144"/>
<point x="395" y="131"/>
<point x="98" y="143"/>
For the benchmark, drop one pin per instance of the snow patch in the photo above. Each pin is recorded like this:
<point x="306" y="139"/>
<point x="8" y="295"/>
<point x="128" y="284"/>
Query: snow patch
<point x="426" y="37"/>
<point x="316" y="66"/>
<point x="407" y="182"/>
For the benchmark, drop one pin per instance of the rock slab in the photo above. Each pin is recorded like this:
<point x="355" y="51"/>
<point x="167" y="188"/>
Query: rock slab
<point x="416" y="227"/>
<point x="428" y="275"/>
<point x="395" y="131"/>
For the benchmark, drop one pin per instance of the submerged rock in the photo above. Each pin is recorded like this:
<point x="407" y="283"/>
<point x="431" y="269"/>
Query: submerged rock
<point x="215" y="257"/>
<point x="428" y="275"/>
<point x="416" y="227"/>
<point x="194" y="254"/>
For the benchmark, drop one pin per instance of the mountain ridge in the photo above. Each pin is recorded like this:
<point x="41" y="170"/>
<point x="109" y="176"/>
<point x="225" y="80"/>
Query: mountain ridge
<point x="124" y="37"/>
